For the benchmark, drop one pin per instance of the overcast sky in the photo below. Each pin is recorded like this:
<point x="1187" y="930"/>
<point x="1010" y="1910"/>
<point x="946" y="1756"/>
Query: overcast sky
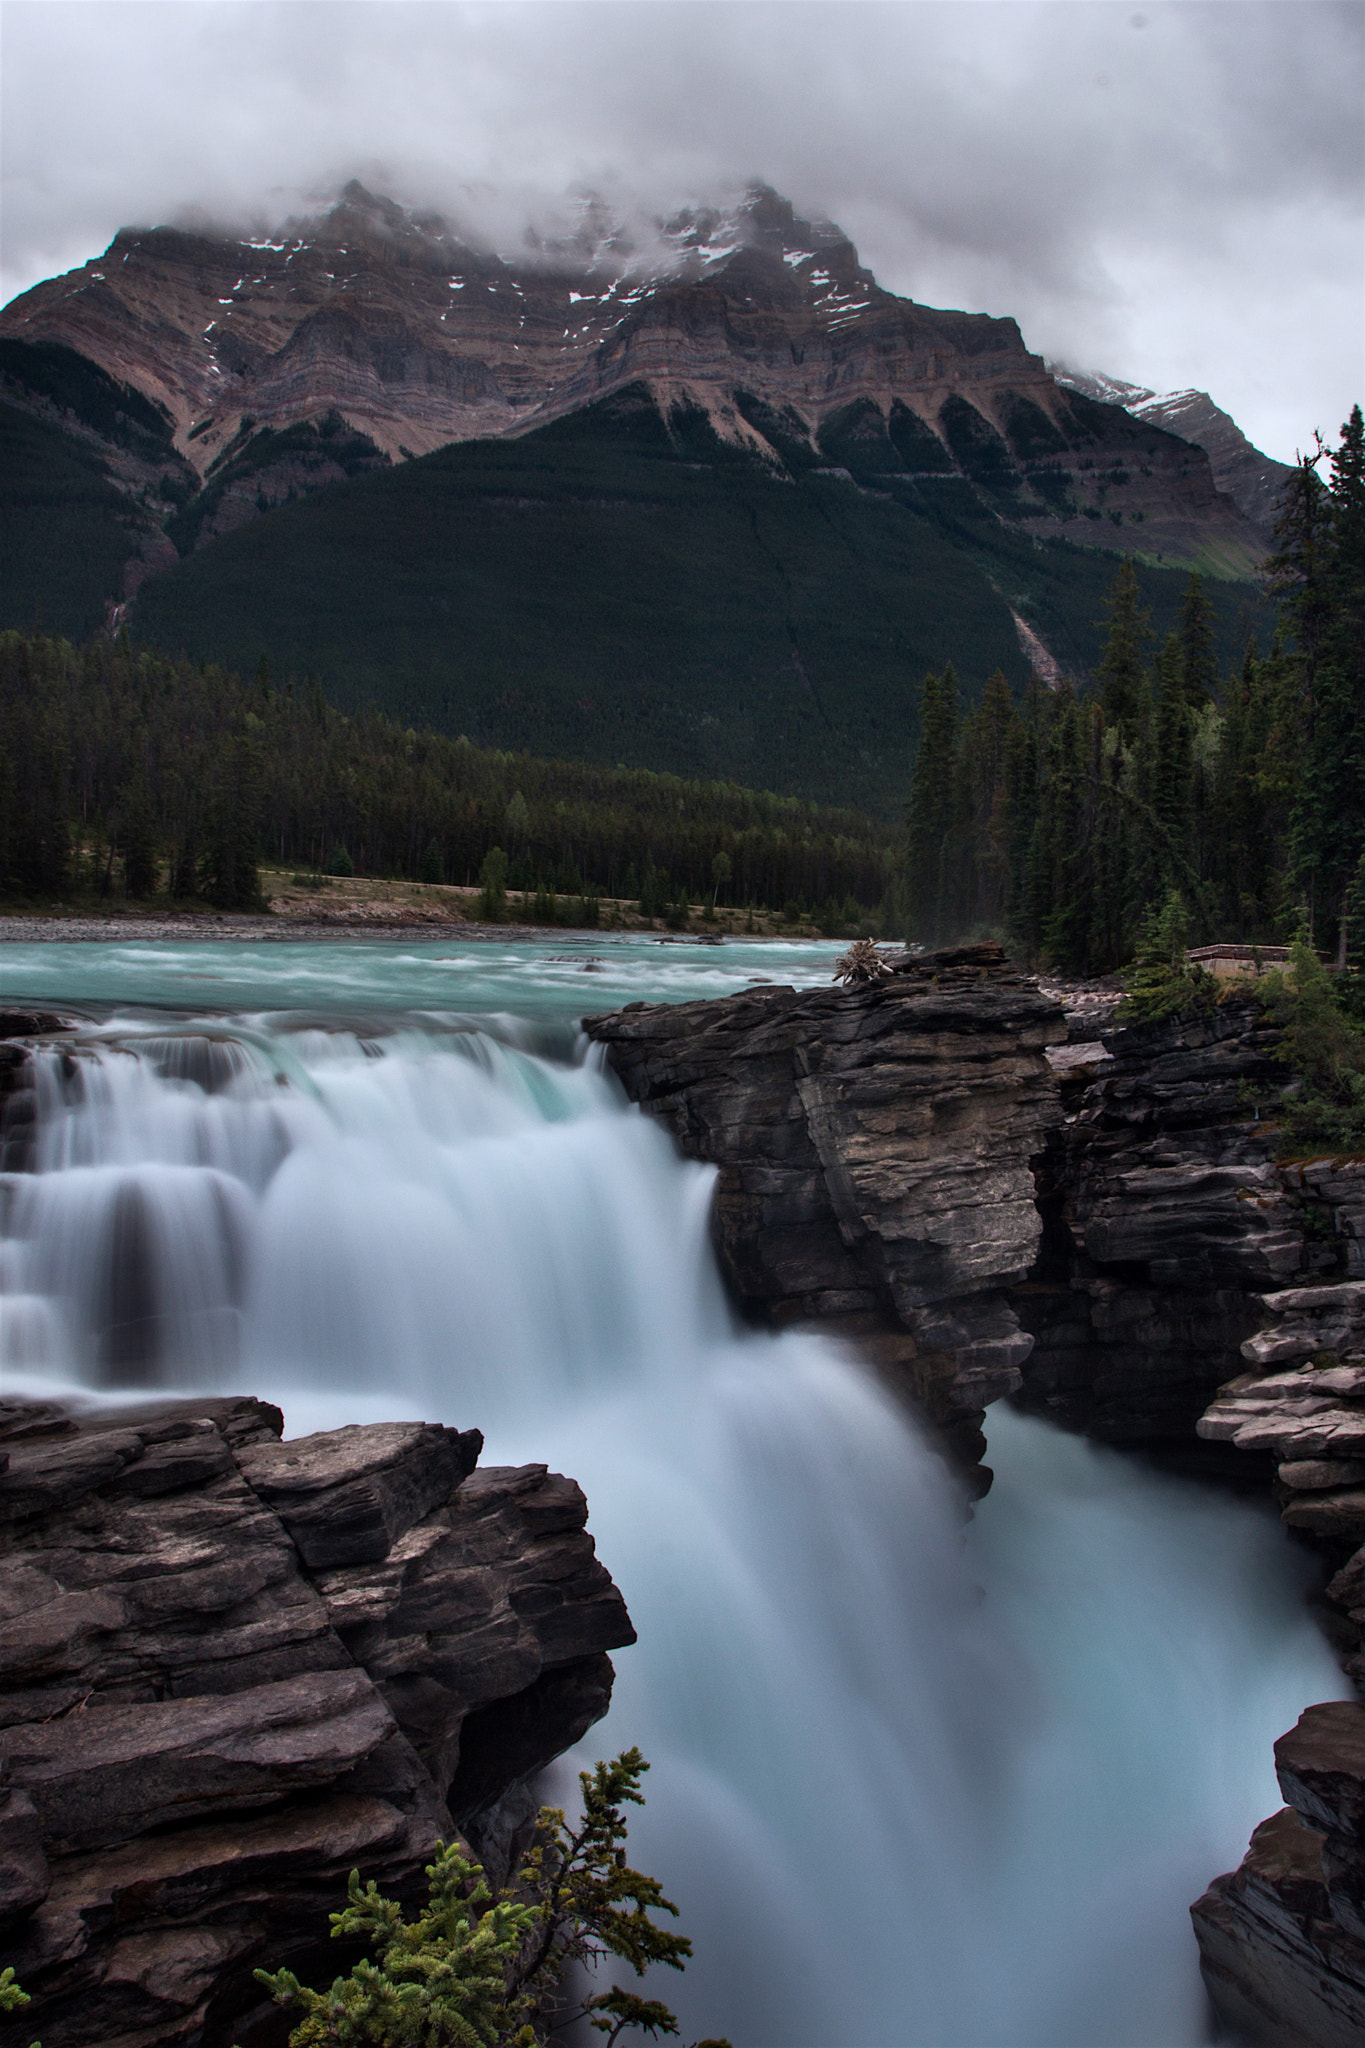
<point x="1168" y="193"/>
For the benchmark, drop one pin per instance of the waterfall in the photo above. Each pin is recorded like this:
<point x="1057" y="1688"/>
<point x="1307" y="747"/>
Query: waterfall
<point x="916" y="1784"/>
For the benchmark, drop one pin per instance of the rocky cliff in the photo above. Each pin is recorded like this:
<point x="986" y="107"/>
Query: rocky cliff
<point x="1282" y="1939"/>
<point x="1166" y="1218"/>
<point x="387" y="333"/>
<point x="874" y="1147"/>
<point x="1255" y="482"/>
<point x="1202" y="1297"/>
<point x="874" y="1150"/>
<point x="234" y="1668"/>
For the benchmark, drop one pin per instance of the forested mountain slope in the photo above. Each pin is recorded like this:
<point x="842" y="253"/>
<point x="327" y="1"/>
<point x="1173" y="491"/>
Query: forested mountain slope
<point x="621" y="586"/>
<point x="711" y="500"/>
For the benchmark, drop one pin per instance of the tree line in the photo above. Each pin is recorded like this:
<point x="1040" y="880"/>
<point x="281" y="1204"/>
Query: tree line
<point x="123" y="772"/>
<point x="1067" y="819"/>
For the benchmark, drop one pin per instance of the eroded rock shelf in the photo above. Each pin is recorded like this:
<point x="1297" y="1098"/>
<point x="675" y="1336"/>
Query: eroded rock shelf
<point x="233" y="1668"/>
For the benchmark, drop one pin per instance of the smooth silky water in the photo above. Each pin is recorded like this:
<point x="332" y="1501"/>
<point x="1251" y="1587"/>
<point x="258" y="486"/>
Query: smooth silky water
<point x="914" y="1785"/>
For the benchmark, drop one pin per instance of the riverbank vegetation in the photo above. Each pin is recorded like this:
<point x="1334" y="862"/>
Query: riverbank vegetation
<point x="127" y="777"/>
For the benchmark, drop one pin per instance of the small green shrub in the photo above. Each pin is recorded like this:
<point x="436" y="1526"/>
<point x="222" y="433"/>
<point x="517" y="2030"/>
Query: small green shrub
<point x="1326" y="1047"/>
<point x="1161" y="982"/>
<point x="493" y="884"/>
<point x="475" y="1971"/>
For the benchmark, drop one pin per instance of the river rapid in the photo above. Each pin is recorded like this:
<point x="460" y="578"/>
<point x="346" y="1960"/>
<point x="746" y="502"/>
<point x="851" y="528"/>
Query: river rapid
<point x="917" y="1783"/>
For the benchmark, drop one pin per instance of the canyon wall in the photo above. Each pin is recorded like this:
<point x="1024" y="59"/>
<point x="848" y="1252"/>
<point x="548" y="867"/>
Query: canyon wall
<point x="1121" y="1247"/>
<point x="1201" y="1296"/>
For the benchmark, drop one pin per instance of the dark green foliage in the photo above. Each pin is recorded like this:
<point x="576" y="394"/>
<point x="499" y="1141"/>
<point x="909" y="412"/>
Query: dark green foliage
<point x="604" y="590"/>
<point x="432" y="868"/>
<point x="141" y="857"/>
<point x="1198" y="659"/>
<point x="309" y="447"/>
<point x="235" y="773"/>
<point x="932" y="840"/>
<point x="1324" y="1045"/>
<point x="1066" y="820"/>
<point x="475" y="1971"/>
<point x="855" y="438"/>
<point x="229" y="876"/>
<point x="50" y="370"/>
<point x="1162" y="982"/>
<point x="493" y="883"/>
<point x="979" y="449"/>
<point x="915" y="441"/>
<point x="341" y="863"/>
<point x="1320" y="571"/>
<point x="1120" y="673"/>
<point x="63" y="536"/>
<point x="1032" y="434"/>
<point x="784" y="430"/>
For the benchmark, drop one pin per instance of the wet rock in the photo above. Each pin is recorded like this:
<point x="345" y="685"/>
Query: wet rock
<point x="232" y="1669"/>
<point x="1282" y="1938"/>
<point x="346" y="1495"/>
<point x="874" y="1148"/>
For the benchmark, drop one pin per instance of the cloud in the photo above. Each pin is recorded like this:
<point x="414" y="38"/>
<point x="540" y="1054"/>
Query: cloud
<point x="1171" y="193"/>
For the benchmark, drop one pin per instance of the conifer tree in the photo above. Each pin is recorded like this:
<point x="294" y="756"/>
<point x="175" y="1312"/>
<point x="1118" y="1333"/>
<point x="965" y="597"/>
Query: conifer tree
<point x="1198" y="661"/>
<point x="1172" y="773"/>
<point x="1320" y="566"/>
<point x="1121" y="666"/>
<point x="930" y="820"/>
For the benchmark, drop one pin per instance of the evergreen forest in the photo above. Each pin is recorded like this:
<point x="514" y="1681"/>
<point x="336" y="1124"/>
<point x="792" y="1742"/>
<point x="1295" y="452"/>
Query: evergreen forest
<point x="618" y="587"/>
<point x="126" y="774"/>
<point x="1065" y="820"/>
<point x="1059" y="818"/>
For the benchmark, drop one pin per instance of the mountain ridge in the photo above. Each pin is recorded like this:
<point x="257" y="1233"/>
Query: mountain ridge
<point x="414" y="338"/>
<point x="1253" y="480"/>
<point x="707" y="501"/>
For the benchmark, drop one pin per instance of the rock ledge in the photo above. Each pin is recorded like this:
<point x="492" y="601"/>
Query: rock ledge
<point x="232" y="1669"/>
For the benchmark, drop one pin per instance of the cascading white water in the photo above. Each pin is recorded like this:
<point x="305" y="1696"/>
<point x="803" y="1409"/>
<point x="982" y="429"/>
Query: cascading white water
<point x="896" y="1813"/>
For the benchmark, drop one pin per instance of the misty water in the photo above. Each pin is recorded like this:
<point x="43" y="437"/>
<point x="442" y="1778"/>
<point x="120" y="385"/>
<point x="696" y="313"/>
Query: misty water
<point x="917" y="1783"/>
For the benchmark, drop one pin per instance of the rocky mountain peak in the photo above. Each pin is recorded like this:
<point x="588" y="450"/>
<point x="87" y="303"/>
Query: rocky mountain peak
<point x="1253" y="480"/>
<point x="371" y="332"/>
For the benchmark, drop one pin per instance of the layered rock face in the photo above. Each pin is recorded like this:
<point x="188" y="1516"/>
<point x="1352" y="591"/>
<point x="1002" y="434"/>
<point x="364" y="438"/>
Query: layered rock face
<point x="1303" y="1401"/>
<point x="1282" y="1939"/>
<point x="393" y="326"/>
<point x="873" y="1147"/>
<point x="232" y="1669"/>
<point x="1255" y="482"/>
<point x="1167" y="1218"/>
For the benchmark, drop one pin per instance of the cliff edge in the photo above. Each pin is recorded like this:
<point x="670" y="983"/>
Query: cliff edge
<point x="234" y="1668"/>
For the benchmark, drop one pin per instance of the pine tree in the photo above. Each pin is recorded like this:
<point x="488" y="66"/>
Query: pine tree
<point x="1021" y="800"/>
<point x="1198" y="660"/>
<point x="474" y="1971"/>
<point x="934" y="786"/>
<point x="1120" y="672"/>
<point x="1173" y="753"/>
<point x="493" y="884"/>
<point x="1320" y="568"/>
<point x="141" y="857"/>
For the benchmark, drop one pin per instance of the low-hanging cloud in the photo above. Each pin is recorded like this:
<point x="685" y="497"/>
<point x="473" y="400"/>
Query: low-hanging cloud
<point x="1170" y="193"/>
